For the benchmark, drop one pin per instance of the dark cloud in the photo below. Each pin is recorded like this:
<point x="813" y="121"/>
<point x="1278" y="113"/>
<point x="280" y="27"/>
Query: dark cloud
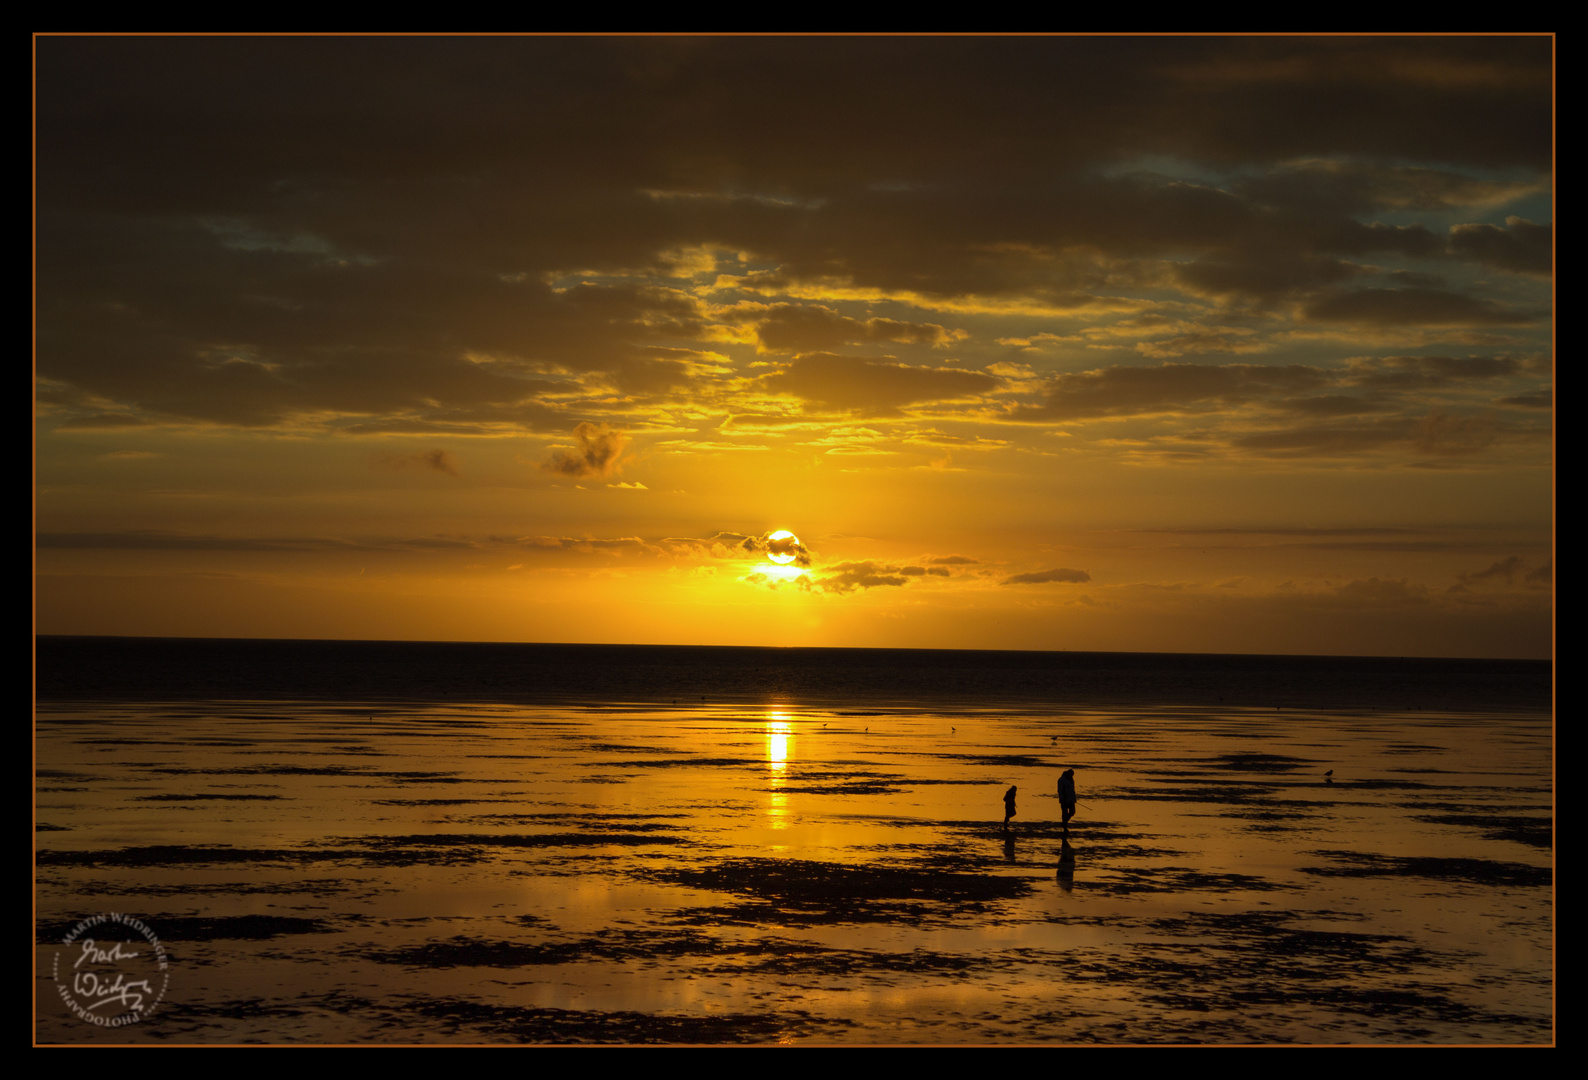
<point x="873" y="387"/>
<point x="1413" y="307"/>
<point x="1438" y="435"/>
<point x="1375" y="593"/>
<point x="160" y="540"/>
<point x="1417" y="403"/>
<point x="437" y="460"/>
<point x="1044" y="577"/>
<point x="848" y="576"/>
<point x="1337" y="405"/>
<point x="467" y="234"/>
<point x="1354" y="188"/>
<point x="1417" y="372"/>
<point x="1521" y="245"/>
<point x="585" y="545"/>
<point x="599" y="453"/>
<point x="1275" y="531"/>
<point x="1443" y="434"/>
<point x="801" y="582"/>
<point x="804" y="328"/>
<point x="1504" y="570"/>
<point x="735" y="545"/>
<point x="1207" y="340"/>
<point x="101" y="421"/>
<point x="1327" y="439"/>
<point x="1537" y="399"/>
<point x="1264" y="275"/>
<point x="1127" y="391"/>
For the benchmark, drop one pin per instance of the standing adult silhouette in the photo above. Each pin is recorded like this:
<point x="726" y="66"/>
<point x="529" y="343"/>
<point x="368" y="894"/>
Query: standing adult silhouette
<point x="1067" y="796"/>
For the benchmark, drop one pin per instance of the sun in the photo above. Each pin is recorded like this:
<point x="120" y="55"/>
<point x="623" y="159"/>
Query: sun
<point x="782" y="547"/>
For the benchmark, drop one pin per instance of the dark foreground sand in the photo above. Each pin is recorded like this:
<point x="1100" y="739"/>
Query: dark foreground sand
<point x="733" y="875"/>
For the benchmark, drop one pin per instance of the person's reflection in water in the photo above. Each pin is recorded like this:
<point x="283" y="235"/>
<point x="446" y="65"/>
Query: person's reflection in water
<point x="1009" y="848"/>
<point x="1066" y="873"/>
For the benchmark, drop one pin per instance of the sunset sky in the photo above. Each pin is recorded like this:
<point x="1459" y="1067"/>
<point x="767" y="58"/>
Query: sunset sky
<point x="1162" y="344"/>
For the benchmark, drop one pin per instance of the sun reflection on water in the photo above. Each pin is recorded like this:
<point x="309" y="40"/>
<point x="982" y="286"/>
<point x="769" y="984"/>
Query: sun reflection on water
<point x="779" y="747"/>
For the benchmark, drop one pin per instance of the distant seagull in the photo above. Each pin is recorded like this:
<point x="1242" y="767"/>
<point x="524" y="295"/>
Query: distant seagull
<point x="952" y="730"/>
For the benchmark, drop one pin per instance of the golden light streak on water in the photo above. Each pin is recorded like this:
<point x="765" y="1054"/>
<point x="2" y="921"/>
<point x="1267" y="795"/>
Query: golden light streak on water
<point x="779" y="745"/>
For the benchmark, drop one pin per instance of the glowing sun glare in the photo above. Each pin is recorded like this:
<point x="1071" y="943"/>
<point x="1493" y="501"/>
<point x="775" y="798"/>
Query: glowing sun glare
<point x="782" y="547"/>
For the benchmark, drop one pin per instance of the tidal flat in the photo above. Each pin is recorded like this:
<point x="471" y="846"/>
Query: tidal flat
<point x="415" y="873"/>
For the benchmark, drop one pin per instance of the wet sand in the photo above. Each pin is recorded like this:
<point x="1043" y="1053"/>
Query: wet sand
<point x="762" y="875"/>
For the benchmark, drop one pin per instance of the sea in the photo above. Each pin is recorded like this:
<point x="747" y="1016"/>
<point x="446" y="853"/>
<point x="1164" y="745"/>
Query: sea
<point x="375" y="843"/>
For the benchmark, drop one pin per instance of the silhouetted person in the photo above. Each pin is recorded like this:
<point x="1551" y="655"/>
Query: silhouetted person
<point x="1067" y="796"/>
<point x="1009" y="806"/>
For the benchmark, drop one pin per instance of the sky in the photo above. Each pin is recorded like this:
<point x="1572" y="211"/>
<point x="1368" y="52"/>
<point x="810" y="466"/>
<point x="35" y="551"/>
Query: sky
<point x="1178" y="344"/>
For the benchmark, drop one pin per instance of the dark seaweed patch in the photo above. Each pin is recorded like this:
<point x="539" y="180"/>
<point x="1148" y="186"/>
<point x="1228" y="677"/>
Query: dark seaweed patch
<point x="264" y="770"/>
<point x="811" y="781"/>
<point x="709" y="954"/>
<point x="1217" y="792"/>
<point x="414" y="776"/>
<point x="515" y="840"/>
<point x="847" y="787"/>
<point x="207" y="798"/>
<point x="1258" y="762"/>
<point x="1535" y="832"/>
<point x="698" y="763"/>
<point x="1225" y="964"/>
<point x="797" y="892"/>
<point x="174" y="855"/>
<point x="595" y="824"/>
<point x="433" y="802"/>
<point x="584" y="820"/>
<point x="1175" y="879"/>
<point x="1001" y="761"/>
<point x="311" y="886"/>
<point x="1471" y="871"/>
<point x="160" y="855"/>
<point x="587" y="1026"/>
<point x="169" y="928"/>
<point x="1267" y="815"/>
<point x="631" y="945"/>
<point x="625" y="748"/>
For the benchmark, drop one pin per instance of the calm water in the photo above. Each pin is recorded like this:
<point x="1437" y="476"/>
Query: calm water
<point x="364" y="842"/>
